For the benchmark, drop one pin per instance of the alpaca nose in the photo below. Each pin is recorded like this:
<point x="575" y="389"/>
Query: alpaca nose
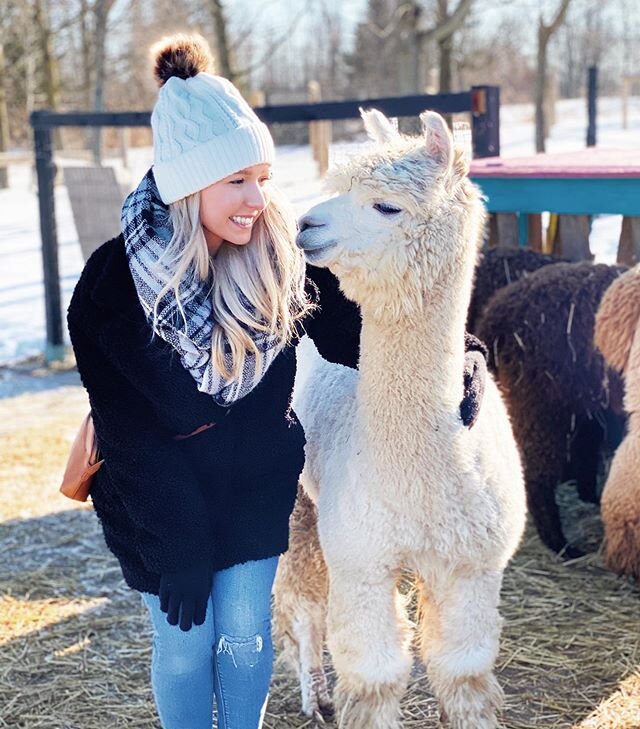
<point x="310" y="222"/>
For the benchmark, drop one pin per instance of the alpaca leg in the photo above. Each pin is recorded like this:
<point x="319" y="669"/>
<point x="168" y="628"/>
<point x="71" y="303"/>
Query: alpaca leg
<point x="460" y="629"/>
<point x="542" y="440"/>
<point x="368" y="636"/>
<point x="586" y="449"/>
<point x="300" y="609"/>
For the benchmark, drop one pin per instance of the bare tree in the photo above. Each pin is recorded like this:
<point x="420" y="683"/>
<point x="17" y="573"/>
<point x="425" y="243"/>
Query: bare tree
<point x="4" y="118"/>
<point x="442" y="33"/>
<point x="102" y="8"/>
<point x="498" y="54"/>
<point x="375" y="69"/>
<point x="225" y="65"/>
<point x="401" y="31"/>
<point x="48" y="61"/>
<point x="51" y="78"/>
<point x="87" y="50"/>
<point x="545" y="33"/>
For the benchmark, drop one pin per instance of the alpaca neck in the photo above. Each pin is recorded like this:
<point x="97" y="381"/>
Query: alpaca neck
<point x="415" y="365"/>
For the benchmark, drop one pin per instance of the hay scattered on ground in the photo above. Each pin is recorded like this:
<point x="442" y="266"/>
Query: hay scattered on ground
<point x="75" y="644"/>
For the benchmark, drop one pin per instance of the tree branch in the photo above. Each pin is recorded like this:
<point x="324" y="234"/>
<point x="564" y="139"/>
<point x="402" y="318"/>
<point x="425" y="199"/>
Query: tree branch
<point x="559" y="19"/>
<point x="547" y="31"/>
<point x="243" y="35"/>
<point x="274" y="46"/>
<point x="397" y="16"/>
<point x="449" y="26"/>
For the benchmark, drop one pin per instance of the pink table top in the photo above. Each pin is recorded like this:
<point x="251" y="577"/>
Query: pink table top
<point x="589" y="162"/>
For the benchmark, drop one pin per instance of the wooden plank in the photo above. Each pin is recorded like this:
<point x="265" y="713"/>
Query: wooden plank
<point x="507" y="230"/>
<point x="45" y="170"/>
<point x="569" y="196"/>
<point x="593" y="162"/>
<point x="572" y="238"/>
<point x="9" y="158"/>
<point x="534" y="225"/>
<point x="96" y="201"/>
<point x="492" y="241"/>
<point x="629" y="246"/>
<point x="451" y="103"/>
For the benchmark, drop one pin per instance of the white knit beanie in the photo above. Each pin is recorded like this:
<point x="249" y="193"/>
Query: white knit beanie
<point x="203" y="130"/>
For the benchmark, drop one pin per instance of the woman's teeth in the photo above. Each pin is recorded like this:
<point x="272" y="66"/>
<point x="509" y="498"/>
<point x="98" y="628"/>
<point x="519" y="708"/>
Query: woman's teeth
<point x="244" y="222"/>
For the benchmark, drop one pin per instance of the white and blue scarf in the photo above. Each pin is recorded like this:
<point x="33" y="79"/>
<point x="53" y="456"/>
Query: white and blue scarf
<point x="147" y="230"/>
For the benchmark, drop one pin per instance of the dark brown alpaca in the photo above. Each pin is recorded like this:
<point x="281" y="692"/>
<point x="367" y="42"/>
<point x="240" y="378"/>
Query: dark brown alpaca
<point x="563" y="400"/>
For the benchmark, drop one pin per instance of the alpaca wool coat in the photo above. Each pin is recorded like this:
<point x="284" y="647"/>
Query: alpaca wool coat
<point x="223" y="496"/>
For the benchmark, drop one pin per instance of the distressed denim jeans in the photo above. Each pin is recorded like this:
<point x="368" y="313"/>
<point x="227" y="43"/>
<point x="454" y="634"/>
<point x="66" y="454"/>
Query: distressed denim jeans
<point x="229" y="655"/>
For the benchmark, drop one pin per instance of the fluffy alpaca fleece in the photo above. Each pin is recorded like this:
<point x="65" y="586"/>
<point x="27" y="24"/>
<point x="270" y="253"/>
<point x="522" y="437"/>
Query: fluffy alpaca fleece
<point x="300" y="608"/>
<point x="497" y="268"/>
<point x="617" y="335"/>
<point x="563" y="400"/>
<point x="399" y="481"/>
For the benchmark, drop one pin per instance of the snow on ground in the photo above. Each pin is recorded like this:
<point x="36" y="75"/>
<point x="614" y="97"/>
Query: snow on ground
<point x="22" y="322"/>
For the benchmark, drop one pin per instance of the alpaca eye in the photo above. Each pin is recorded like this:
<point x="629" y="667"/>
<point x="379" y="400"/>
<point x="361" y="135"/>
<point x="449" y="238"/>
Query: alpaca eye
<point x="386" y="209"/>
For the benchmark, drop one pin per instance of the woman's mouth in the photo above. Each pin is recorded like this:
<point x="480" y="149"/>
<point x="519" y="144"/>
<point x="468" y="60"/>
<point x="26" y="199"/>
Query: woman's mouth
<point x="242" y="222"/>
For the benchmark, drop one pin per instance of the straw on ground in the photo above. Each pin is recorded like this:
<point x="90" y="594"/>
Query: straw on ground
<point x="75" y="644"/>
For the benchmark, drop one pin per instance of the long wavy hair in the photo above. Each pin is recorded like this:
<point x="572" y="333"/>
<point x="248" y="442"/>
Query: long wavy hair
<point x="259" y="286"/>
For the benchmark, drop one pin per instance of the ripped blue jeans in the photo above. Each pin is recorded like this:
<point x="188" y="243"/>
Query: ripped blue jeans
<point x="229" y="655"/>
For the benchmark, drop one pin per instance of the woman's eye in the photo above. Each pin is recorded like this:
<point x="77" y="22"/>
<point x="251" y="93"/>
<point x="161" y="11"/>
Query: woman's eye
<point x="236" y="182"/>
<point x="386" y="209"/>
<point x="265" y="179"/>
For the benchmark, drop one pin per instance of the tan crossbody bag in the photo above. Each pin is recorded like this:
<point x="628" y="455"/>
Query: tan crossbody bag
<point x="83" y="464"/>
<point x="85" y="461"/>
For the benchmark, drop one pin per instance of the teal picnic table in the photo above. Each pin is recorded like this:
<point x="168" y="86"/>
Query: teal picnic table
<point x="574" y="185"/>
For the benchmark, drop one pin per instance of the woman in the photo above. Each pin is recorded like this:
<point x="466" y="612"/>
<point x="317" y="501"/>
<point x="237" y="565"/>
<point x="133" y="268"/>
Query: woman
<point x="183" y="329"/>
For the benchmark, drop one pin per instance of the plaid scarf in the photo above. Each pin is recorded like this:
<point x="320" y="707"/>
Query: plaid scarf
<point x="147" y="231"/>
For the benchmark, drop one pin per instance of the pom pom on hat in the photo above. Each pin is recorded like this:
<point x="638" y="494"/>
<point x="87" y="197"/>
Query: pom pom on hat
<point x="203" y="130"/>
<point x="182" y="56"/>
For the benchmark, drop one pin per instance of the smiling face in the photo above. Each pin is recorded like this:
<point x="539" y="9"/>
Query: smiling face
<point x="230" y="207"/>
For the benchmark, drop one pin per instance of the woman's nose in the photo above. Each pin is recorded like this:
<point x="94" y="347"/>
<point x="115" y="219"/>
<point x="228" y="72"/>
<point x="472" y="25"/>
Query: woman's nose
<point x="256" y="196"/>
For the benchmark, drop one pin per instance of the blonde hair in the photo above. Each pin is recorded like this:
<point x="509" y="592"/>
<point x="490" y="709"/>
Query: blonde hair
<point x="258" y="286"/>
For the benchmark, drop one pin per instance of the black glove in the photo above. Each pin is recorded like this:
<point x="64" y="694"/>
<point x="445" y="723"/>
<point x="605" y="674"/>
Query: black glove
<point x="185" y="594"/>
<point x="474" y="376"/>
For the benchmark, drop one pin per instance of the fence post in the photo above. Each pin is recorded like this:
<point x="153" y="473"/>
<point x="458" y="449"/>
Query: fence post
<point x="591" y="105"/>
<point x="45" y="170"/>
<point x="485" y="121"/>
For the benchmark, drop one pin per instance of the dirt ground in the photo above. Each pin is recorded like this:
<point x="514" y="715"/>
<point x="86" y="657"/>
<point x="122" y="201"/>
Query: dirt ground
<point x="75" y="644"/>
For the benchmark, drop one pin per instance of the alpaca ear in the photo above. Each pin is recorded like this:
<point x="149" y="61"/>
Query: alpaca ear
<point x="618" y="318"/>
<point x="377" y="126"/>
<point x="438" y="138"/>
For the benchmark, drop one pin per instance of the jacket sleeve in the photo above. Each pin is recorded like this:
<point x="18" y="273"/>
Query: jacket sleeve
<point x="145" y="466"/>
<point x="335" y="325"/>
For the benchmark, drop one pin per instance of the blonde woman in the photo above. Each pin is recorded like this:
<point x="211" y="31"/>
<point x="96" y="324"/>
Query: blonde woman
<point x="183" y="329"/>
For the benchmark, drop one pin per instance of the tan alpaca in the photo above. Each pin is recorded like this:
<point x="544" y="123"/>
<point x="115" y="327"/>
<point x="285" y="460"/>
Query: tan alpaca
<point x="300" y="609"/>
<point x="399" y="482"/>
<point x="617" y="335"/>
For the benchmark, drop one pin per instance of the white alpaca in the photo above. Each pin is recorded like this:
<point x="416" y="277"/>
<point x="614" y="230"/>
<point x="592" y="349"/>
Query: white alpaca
<point x="399" y="482"/>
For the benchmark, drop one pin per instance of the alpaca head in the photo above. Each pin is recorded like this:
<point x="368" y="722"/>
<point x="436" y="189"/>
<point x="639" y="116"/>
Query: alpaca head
<point x="405" y="217"/>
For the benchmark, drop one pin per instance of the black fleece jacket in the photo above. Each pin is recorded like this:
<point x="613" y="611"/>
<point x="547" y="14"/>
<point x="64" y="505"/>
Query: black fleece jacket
<point x="223" y="496"/>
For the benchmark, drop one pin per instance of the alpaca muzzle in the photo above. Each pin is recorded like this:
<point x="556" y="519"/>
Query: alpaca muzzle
<point x="310" y="222"/>
<point x="312" y="240"/>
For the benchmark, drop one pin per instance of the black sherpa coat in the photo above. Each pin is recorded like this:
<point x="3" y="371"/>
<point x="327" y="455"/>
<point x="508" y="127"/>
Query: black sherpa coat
<point x="224" y="495"/>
